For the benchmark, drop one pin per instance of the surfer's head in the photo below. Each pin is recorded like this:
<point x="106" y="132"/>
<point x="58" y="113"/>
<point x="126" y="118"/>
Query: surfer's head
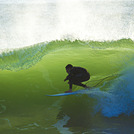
<point x="68" y="68"/>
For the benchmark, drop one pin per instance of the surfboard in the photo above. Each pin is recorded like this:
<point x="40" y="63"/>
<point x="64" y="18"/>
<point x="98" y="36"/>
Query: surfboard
<point x="63" y="94"/>
<point x="72" y="93"/>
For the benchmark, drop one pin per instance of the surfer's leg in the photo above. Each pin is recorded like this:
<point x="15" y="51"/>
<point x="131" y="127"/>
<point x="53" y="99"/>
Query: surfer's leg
<point x="83" y="78"/>
<point x="70" y="87"/>
<point x="80" y="84"/>
<point x="78" y="80"/>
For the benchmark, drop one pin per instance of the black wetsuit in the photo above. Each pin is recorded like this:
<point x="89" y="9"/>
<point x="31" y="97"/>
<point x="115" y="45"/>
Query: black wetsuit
<point x="78" y="75"/>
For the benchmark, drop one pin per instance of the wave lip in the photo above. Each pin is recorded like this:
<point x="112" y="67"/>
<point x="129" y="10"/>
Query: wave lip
<point x="26" y="57"/>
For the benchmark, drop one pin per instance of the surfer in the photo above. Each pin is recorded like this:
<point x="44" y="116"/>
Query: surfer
<point x="76" y="75"/>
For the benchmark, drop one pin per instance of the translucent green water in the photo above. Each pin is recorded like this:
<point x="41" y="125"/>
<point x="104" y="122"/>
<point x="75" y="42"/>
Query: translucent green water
<point x="28" y="74"/>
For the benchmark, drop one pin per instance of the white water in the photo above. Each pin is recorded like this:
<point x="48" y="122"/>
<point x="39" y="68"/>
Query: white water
<point x="23" y="24"/>
<point x="120" y="98"/>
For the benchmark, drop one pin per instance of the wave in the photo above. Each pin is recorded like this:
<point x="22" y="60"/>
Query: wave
<point x="29" y="73"/>
<point x="26" y="57"/>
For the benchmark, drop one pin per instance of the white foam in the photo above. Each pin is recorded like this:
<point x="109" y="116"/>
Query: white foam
<point x="26" y="24"/>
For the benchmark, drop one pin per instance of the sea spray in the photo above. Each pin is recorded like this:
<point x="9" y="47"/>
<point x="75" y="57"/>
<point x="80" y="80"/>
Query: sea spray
<point x="119" y="99"/>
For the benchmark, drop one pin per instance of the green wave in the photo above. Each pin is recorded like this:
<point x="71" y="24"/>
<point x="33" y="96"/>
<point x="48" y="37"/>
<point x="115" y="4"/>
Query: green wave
<point x="41" y="68"/>
<point x="28" y="74"/>
<point x="25" y="58"/>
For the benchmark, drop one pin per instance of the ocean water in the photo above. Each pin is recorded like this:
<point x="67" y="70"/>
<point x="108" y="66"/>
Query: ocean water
<point x="38" y="39"/>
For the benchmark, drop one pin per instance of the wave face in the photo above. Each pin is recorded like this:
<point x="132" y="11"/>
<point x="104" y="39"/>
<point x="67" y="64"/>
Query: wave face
<point x="46" y="21"/>
<point x="28" y="74"/>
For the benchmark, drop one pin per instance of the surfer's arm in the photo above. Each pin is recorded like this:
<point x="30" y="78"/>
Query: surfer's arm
<point x="66" y="78"/>
<point x="69" y="76"/>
